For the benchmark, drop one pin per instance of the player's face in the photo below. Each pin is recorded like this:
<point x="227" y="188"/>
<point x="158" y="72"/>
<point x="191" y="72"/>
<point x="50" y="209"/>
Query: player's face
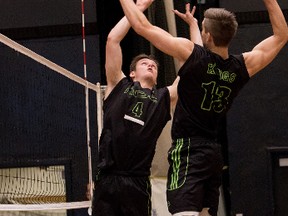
<point x="146" y="69"/>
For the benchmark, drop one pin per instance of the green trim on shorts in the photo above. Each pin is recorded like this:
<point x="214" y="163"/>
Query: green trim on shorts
<point x="176" y="163"/>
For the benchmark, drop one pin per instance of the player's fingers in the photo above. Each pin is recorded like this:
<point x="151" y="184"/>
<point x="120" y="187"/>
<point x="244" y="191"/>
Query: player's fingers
<point x="193" y="10"/>
<point x="187" y="8"/>
<point x="182" y="16"/>
<point x="176" y="12"/>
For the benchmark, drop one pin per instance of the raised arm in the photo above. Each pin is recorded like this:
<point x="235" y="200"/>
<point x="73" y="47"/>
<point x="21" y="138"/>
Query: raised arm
<point x="264" y="53"/>
<point x="113" y="64"/>
<point x="188" y="17"/>
<point x="195" y="36"/>
<point x="179" y="48"/>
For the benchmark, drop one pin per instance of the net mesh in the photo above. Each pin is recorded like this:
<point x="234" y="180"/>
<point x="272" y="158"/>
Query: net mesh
<point x="45" y="164"/>
<point x="32" y="185"/>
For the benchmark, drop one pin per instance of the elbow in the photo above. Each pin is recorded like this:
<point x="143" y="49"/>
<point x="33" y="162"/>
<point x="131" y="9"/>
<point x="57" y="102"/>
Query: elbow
<point x="110" y="39"/>
<point x="284" y="35"/>
<point x="283" y="39"/>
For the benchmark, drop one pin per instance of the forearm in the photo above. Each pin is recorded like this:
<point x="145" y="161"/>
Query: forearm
<point x="277" y="19"/>
<point x="121" y="29"/>
<point x="113" y="63"/>
<point x="264" y="52"/>
<point x="133" y="14"/>
<point x="195" y="34"/>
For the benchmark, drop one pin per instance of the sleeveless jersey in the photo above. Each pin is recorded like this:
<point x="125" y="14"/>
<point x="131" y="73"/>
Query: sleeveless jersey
<point x="208" y="84"/>
<point x="133" y="120"/>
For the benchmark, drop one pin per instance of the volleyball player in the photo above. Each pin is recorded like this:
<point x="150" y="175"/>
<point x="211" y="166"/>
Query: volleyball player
<point x="135" y="112"/>
<point x="210" y="78"/>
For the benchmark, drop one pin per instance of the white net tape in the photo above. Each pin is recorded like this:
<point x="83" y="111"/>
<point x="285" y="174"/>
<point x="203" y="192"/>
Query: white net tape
<point x="21" y="49"/>
<point x="45" y="207"/>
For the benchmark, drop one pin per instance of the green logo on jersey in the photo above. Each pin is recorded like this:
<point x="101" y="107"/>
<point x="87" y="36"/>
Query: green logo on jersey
<point x="223" y="75"/>
<point x="140" y="94"/>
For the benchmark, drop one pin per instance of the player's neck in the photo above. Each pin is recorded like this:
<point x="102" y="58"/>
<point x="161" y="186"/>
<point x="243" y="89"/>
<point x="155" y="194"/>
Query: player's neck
<point x="147" y="84"/>
<point x="221" y="51"/>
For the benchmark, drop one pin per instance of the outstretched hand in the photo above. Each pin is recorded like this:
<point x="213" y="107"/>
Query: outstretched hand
<point x="143" y="4"/>
<point x="188" y="16"/>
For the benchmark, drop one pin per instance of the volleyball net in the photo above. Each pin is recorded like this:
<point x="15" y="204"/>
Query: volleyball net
<point x="50" y="122"/>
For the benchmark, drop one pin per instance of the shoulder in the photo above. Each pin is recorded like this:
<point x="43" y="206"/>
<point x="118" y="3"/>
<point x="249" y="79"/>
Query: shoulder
<point x="239" y="65"/>
<point x="161" y="91"/>
<point x="162" y="94"/>
<point x="123" y="83"/>
<point x="198" y="53"/>
<point x="238" y="60"/>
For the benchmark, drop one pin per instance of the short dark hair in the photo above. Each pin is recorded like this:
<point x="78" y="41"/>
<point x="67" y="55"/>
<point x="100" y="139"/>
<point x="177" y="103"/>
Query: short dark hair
<point x="221" y="24"/>
<point x="139" y="57"/>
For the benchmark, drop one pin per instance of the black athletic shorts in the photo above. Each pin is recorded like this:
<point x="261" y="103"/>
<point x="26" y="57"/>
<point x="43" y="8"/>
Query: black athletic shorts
<point x="194" y="176"/>
<point x="116" y="195"/>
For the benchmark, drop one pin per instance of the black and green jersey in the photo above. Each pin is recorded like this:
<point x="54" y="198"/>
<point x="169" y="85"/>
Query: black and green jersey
<point x="208" y="84"/>
<point x="133" y="120"/>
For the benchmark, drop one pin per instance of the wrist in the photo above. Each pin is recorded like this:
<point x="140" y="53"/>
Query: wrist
<point x="141" y="8"/>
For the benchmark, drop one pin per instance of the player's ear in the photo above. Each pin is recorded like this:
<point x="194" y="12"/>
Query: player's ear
<point x="210" y="37"/>
<point x="132" y="74"/>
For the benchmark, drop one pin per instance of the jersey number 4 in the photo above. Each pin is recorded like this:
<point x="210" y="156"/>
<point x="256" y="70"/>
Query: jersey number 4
<point x="138" y="109"/>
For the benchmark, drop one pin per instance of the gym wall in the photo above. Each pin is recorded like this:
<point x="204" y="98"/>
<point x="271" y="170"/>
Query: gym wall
<point x="257" y="123"/>
<point x="42" y="113"/>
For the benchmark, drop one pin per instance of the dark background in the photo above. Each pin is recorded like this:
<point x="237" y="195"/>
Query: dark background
<point x="42" y="113"/>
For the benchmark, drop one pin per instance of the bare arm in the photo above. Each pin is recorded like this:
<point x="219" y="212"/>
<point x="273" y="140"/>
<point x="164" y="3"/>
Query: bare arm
<point x="195" y="36"/>
<point x="173" y="93"/>
<point x="264" y="53"/>
<point x="113" y="64"/>
<point x="179" y="48"/>
<point x="189" y="18"/>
